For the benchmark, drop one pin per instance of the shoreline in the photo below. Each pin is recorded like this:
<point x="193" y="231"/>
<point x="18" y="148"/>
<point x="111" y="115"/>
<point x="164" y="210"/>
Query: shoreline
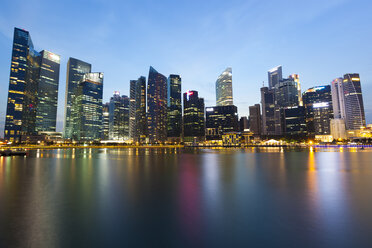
<point x="52" y="147"/>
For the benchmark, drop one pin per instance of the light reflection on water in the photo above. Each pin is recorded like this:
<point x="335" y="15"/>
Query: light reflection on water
<point x="186" y="198"/>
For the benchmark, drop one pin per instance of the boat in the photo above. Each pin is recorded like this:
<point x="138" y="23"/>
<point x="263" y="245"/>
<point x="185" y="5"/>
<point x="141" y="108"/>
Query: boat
<point x="13" y="153"/>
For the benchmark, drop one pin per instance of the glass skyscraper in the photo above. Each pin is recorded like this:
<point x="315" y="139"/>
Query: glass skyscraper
<point x="76" y="69"/>
<point x="318" y="109"/>
<point x="224" y="94"/>
<point x="354" y="107"/>
<point x="157" y="107"/>
<point x="220" y="120"/>
<point x="275" y="76"/>
<point x="119" y="117"/>
<point x="33" y="90"/>
<point x="193" y="117"/>
<point x="86" y="109"/>
<point x="174" y="104"/>
<point x="140" y="108"/>
<point x="46" y="111"/>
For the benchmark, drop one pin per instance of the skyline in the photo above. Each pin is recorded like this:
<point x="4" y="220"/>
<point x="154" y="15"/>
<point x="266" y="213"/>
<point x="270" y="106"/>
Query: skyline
<point x="199" y="65"/>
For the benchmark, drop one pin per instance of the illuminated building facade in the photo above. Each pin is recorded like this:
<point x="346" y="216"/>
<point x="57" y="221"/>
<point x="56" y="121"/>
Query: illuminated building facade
<point x="140" y="107"/>
<point x="296" y="78"/>
<point x="294" y="119"/>
<point x="354" y="107"/>
<point x="76" y="69"/>
<point x="220" y="120"/>
<point x="119" y="117"/>
<point x="105" y="121"/>
<point x="157" y="107"/>
<point x="319" y="110"/>
<point x="255" y="119"/>
<point x="224" y="94"/>
<point x="174" y="104"/>
<point x="275" y="76"/>
<point x="86" y="108"/>
<point x="33" y="90"/>
<point x="132" y="109"/>
<point x="47" y="94"/>
<point x="193" y="117"/>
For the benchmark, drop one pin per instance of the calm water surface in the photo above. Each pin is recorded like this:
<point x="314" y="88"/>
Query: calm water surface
<point x="186" y="198"/>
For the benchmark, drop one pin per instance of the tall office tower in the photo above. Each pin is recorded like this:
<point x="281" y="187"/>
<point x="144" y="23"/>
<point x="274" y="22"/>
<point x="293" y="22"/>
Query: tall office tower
<point x="22" y="46"/>
<point x="319" y="110"/>
<point x="338" y="98"/>
<point x="224" y="94"/>
<point x="243" y="123"/>
<point x="46" y="111"/>
<point x="76" y="69"/>
<point x="157" y="106"/>
<point x="105" y="121"/>
<point x="354" y="107"/>
<point x="286" y="95"/>
<point x="132" y="109"/>
<point x="140" y="115"/>
<point x="119" y="117"/>
<point x="174" y="104"/>
<point x="294" y="121"/>
<point x="29" y="88"/>
<point x="296" y="78"/>
<point x="275" y="76"/>
<point x="255" y="119"/>
<point x="268" y="111"/>
<point x="193" y="117"/>
<point x="220" y="120"/>
<point x="86" y="108"/>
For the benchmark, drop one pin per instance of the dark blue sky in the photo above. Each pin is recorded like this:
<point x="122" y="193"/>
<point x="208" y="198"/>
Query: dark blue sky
<point x="320" y="40"/>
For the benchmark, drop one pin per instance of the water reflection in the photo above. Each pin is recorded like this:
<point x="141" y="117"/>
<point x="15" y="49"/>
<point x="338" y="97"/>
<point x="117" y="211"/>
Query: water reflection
<point x="186" y="198"/>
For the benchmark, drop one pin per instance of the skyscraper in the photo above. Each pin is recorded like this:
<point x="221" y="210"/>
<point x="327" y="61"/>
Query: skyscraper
<point x="275" y="76"/>
<point x="157" y="106"/>
<point x="243" y="123"/>
<point x="132" y="109"/>
<point x="296" y="78"/>
<point x="174" y="104"/>
<point x="294" y="121"/>
<point x="105" y="121"/>
<point x="86" y="108"/>
<point x="268" y="111"/>
<point x="76" y="69"/>
<point x="255" y="119"/>
<point x="140" y="115"/>
<point x="286" y="95"/>
<point x="224" y="94"/>
<point x="220" y="120"/>
<point x="33" y="90"/>
<point x="193" y="117"/>
<point x="319" y="110"/>
<point x="119" y="117"/>
<point x="354" y="107"/>
<point x="46" y="111"/>
<point x="338" y="98"/>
